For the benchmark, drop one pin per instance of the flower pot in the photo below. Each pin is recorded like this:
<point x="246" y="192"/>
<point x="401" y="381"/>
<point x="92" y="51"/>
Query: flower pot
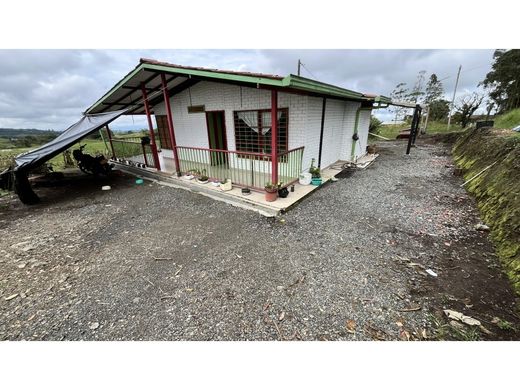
<point x="227" y="186"/>
<point x="305" y="179"/>
<point x="246" y="191"/>
<point x="283" y="192"/>
<point x="202" y="181"/>
<point x="271" y="196"/>
<point x="316" y="181"/>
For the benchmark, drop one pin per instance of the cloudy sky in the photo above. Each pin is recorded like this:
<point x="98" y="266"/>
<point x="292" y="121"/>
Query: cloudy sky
<point x="49" y="89"/>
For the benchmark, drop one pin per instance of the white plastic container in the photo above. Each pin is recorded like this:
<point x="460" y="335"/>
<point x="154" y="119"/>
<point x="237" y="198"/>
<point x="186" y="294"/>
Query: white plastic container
<point x="305" y="178"/>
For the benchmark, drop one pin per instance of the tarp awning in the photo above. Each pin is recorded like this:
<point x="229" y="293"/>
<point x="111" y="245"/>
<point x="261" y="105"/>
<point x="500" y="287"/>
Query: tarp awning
<point x="85" y="126"/>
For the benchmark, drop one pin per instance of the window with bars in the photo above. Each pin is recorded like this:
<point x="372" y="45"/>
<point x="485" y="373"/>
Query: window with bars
<point x="253" y="130"/>
<point x="162" y="130"/>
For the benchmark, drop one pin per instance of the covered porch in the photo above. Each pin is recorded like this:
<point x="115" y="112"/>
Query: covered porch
<point x="251" y="170"/>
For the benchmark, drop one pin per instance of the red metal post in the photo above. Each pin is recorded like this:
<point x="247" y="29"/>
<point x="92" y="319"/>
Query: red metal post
<point x="169" y="117"/>
<point x="109" y="135"/>
<point x="274" y="136"/>
<point x="150" y="127"/>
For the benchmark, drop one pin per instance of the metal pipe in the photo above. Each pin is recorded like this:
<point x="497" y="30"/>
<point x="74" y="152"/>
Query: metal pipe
<point x="169" y="118"/>
<point x="274" y="136"/>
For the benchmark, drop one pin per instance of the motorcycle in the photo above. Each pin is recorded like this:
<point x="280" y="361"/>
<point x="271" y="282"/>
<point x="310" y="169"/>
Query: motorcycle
<point x="91" y="165"/>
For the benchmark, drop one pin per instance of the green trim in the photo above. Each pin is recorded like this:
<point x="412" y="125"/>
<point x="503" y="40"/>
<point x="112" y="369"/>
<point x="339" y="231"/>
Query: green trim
<point x="290" y="82"/>
<point x="356" y="123"/>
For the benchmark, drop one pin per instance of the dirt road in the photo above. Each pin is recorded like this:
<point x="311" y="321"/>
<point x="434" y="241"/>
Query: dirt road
<point x="349" y="263"/>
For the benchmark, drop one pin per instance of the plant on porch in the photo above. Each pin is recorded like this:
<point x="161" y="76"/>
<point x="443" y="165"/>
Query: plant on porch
<point x="271" y="191"/>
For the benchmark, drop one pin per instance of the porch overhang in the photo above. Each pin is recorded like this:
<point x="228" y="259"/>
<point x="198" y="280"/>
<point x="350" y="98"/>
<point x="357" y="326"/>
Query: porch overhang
<point x="127" y="93"/>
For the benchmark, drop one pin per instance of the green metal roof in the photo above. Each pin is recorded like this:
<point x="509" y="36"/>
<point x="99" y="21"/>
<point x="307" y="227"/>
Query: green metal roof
<point x="291" y="83"/>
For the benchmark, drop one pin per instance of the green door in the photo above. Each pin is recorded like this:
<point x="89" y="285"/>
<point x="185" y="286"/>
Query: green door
<point x="217" y="137"/>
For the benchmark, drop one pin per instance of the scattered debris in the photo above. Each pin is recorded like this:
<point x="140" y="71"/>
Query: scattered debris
<point x="482" y="227"/>
<point x="163" y="259"/>
<point x="430" y="272"/>
<point x="282" y="316"/>
<point x="462" y="318"/>
<point x="106" y="188"/>
<point x="351" y="326"/>
<point x="93" y="325"/>
<point x="417" y="308"/>
<point x="11" y="297"/>
<point x="178" y="271"/>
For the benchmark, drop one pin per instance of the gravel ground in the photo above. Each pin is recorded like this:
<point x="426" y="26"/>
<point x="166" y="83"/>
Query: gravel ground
<point x="156" y="263"/>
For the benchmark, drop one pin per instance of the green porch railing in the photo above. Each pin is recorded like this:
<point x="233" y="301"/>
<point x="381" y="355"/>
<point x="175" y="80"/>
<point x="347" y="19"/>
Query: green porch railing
<point x="245" y="169"/>
<point x="290" y="166"/>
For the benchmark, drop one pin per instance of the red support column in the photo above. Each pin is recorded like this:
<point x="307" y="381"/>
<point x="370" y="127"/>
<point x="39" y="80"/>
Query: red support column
<point x="170" y="122"/>
<point x="109" y="135"/>
<point x="156" y="161"/>
<point x="274" y="136"/>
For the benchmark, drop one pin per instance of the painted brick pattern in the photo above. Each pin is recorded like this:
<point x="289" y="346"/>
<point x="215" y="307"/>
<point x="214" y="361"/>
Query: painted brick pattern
<point x="304" y="118"/>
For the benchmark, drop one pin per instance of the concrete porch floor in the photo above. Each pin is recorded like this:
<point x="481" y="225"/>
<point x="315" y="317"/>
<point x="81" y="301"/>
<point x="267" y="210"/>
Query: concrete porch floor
<point x="255" y="201"/>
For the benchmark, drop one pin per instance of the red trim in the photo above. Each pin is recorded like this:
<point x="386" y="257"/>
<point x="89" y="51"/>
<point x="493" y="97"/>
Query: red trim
<point x="151" y="130"/>
<point x="260" y="111"/>
<point x="169" y="116"/>
<point x="223" y="123"/>
<point x="225" y="151"/>
<point x="274" y="136"/>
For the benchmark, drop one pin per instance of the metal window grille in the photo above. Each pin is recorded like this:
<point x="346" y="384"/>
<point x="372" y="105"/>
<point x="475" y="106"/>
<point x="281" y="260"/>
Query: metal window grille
<point x="253" y="130"/>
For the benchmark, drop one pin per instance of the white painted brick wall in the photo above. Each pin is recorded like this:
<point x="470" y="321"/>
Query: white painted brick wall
<point x="364" y="122"/>
<point x="304" y="118"/>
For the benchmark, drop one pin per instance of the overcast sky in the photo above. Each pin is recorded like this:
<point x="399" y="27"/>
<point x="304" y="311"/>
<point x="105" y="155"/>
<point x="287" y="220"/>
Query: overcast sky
<point x="49" y="89"/>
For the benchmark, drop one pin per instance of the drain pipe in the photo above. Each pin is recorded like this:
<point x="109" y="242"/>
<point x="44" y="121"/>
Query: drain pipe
<point x="321" y="132"/>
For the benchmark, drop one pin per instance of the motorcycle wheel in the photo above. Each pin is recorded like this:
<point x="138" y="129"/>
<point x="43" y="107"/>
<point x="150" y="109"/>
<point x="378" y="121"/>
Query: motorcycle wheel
<point x="83" y="169"/>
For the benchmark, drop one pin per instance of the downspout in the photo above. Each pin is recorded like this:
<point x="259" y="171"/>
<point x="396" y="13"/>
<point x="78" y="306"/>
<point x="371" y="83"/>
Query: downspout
<point x="355" y="137"/>
<point x="321" y="131"/>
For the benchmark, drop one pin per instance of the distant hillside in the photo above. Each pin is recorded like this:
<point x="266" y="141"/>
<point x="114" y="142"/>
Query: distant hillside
<point x="19" y="133"/>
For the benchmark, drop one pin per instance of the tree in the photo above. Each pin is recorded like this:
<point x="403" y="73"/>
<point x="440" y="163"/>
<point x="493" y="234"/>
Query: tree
<point x="434" y="90"/>
<point x="417" y="91"/>
<point x="399" y="94"/>
<point x="466" y="106"/>
<point x="503" y="81"/>
<point x="439" y="110"/>
<point x="375" y="125"/>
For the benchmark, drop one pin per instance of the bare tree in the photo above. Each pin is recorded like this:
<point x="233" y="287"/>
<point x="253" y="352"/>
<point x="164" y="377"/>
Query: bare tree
<point x="467" y="105"/>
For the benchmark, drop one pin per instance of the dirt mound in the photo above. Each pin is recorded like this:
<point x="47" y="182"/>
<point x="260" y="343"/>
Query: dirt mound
<point x="497" y="189"/>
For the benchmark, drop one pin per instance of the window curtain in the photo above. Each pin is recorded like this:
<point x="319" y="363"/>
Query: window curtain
<point x="266" y="121"/>
<point x="250" y="118"/>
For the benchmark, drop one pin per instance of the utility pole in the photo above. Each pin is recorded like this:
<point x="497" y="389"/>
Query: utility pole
<point x="299" y="64"/>
<point x="453" y="99"/>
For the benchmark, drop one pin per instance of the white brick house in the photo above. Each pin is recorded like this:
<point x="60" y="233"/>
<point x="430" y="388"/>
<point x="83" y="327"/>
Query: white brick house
<point x="225" y="121"/>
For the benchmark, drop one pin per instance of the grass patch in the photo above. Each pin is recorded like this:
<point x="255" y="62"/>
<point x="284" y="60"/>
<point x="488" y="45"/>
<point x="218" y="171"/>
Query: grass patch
<point x="508" y="120"/>
<point x="391" y="131"/>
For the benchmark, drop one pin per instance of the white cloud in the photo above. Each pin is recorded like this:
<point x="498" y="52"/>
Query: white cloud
<point x="51" y="88"/>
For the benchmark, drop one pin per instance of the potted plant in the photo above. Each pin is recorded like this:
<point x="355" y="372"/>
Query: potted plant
<point x="226" y="185"/>
<point x="203" y="178"/>
<point x="271" y="192"/>
<point x="192" y="173"/>
<point x="316" y="174"/>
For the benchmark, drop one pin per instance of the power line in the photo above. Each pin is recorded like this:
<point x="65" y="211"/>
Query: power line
<point x="302" y="64"/>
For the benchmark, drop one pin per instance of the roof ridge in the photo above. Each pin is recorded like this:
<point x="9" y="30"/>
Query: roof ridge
<point x="227" y="71"/>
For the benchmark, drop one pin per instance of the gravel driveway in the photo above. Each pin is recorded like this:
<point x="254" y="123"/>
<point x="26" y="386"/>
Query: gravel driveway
<point x="156" y="263"/>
